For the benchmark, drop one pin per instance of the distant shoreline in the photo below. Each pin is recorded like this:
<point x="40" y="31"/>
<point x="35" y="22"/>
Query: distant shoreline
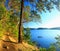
<point x="44" y="28"/>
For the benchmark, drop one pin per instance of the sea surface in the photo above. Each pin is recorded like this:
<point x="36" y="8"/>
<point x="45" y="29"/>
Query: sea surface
<point x="44" y="38"/>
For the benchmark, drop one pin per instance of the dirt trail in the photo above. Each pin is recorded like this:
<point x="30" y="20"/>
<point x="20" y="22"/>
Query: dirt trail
<point x="7" y="44"/>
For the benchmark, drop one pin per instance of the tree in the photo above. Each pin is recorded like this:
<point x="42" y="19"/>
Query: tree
<point x="39" y="5"/>
<point x="8" y="20"/>
<point x="57" y="43"/>
<point x="26" y="12"/>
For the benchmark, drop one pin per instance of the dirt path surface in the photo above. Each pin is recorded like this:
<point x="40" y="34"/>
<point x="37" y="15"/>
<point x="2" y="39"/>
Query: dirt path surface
<point x="7" y="44"/>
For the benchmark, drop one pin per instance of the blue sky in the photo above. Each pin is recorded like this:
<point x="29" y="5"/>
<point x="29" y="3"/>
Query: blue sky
<point x="48" y="20"/>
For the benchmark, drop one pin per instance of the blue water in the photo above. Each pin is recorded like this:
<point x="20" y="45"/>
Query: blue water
<point x="47" y="37"/>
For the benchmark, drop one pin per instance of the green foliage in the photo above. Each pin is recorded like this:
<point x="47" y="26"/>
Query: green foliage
<point x="2" y="11"/>
<point x="42" y="49"/>
<point x="51" y="48"/>
<point x="26" y="16"/>
<point x="27" y="34"/>
<point x="2" y="1"/>
<point x="57" y="44"/>
<point x="8" y="23"/>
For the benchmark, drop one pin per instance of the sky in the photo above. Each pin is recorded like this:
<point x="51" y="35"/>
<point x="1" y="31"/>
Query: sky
<point x="48" y="20"/>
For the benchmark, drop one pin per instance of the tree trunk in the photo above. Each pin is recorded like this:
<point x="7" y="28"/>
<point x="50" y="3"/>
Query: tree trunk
<point x="20" y="37"/>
